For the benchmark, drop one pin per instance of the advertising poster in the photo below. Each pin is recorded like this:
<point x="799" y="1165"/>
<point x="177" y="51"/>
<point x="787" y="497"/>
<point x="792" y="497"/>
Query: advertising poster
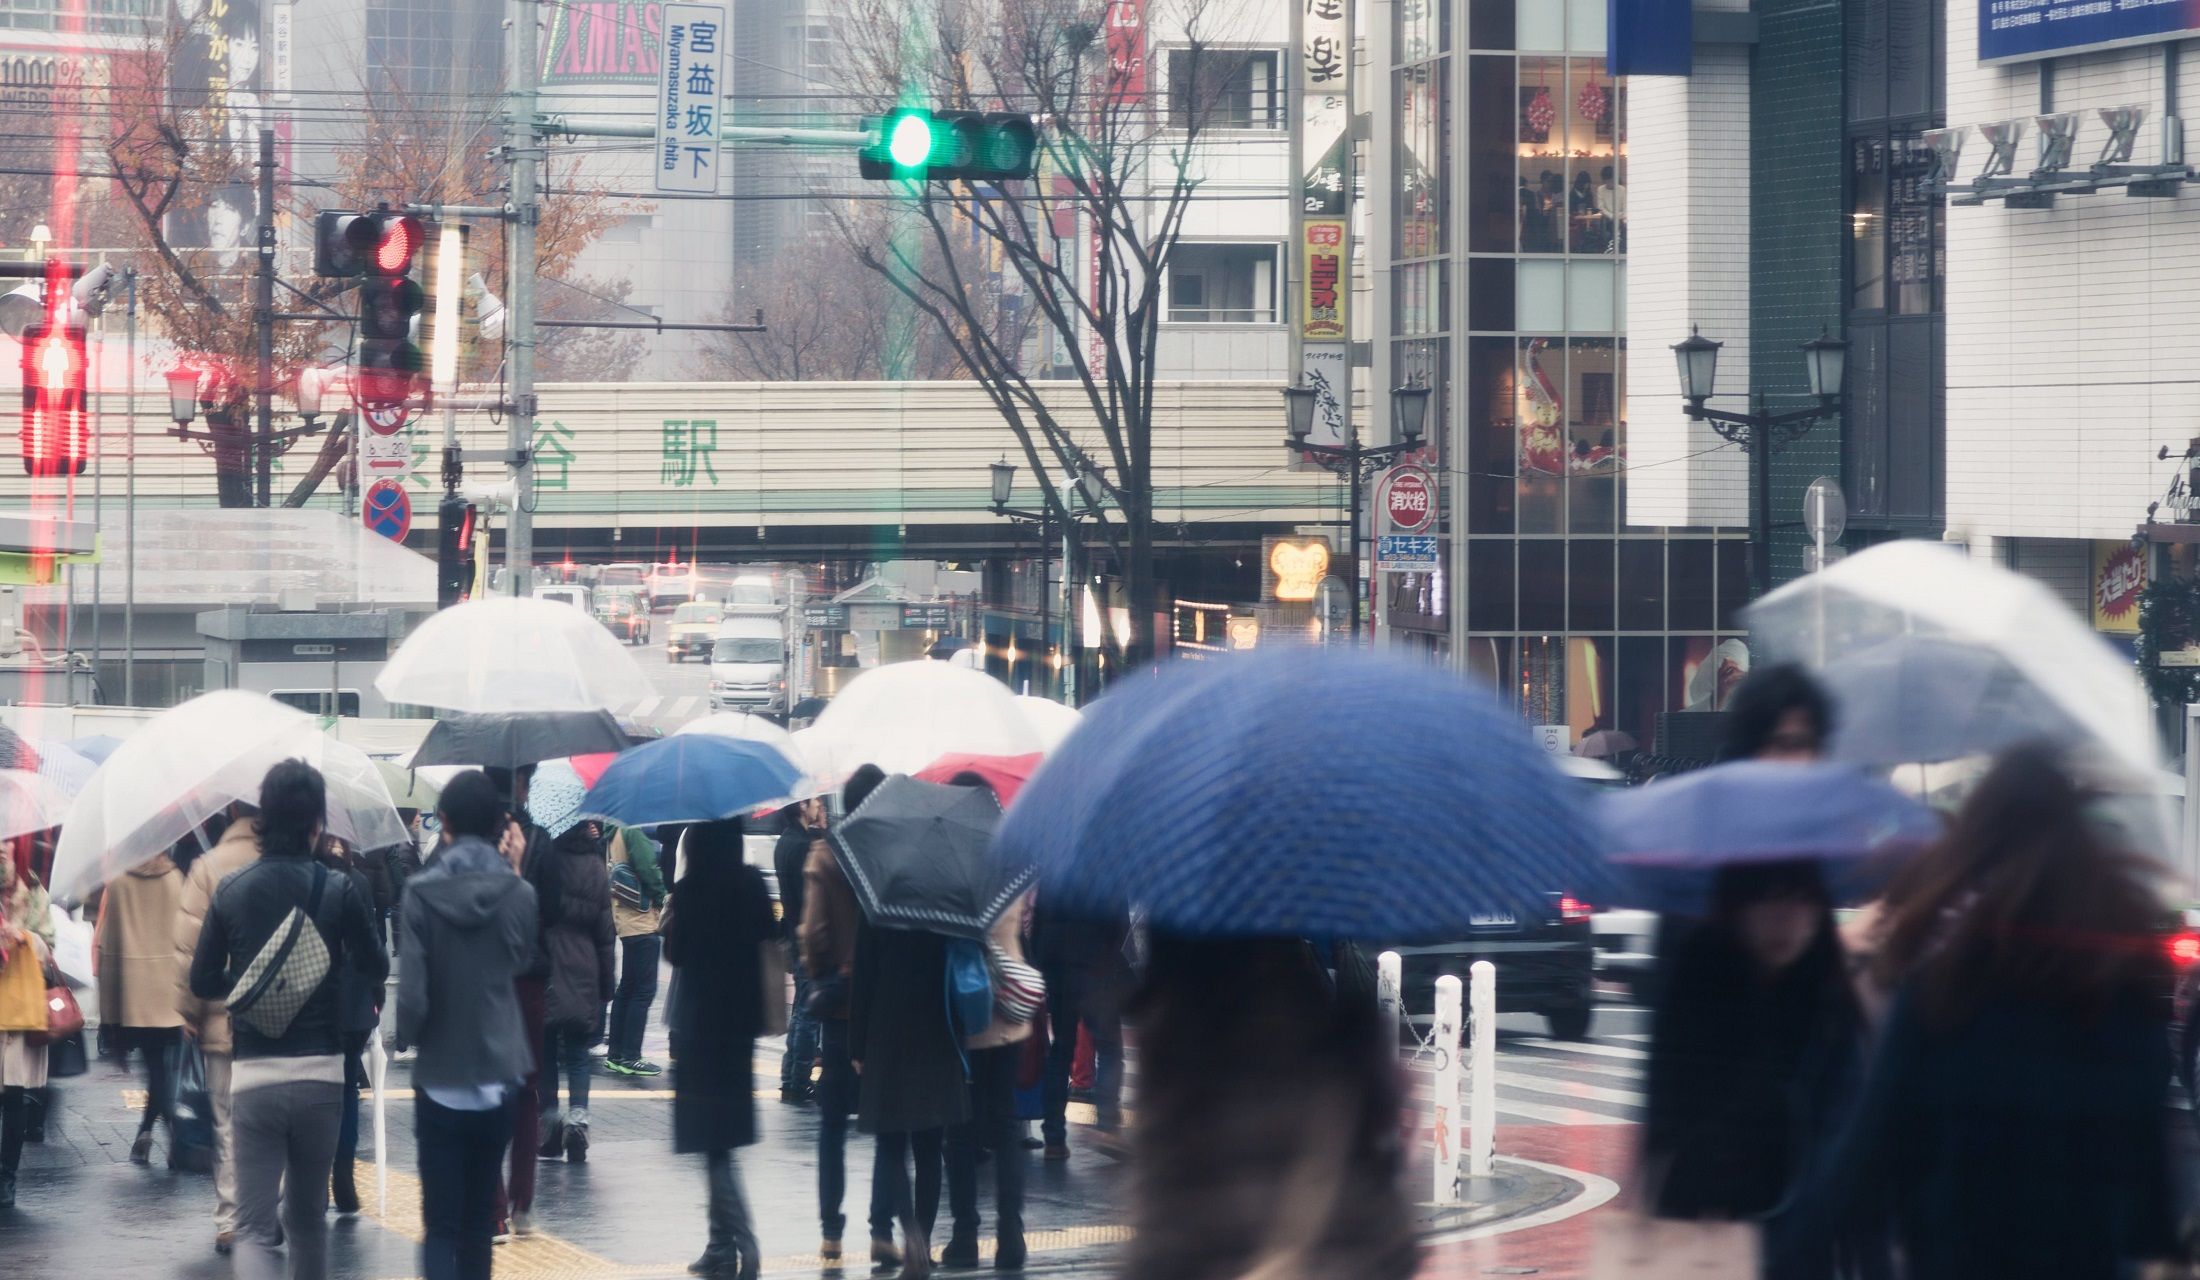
<point x="2021" y="30"/>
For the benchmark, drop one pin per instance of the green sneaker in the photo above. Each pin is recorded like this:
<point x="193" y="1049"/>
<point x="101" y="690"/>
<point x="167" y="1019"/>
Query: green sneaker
<point x="619" y="1068"/>
<point x="644" y="1067"/>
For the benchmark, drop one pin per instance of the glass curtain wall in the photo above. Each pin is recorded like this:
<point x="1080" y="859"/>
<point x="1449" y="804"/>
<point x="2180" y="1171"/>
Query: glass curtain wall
<point x="1574" y="617"/>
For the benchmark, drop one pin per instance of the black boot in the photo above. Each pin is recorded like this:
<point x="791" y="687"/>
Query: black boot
<point x="344" y="1189"/>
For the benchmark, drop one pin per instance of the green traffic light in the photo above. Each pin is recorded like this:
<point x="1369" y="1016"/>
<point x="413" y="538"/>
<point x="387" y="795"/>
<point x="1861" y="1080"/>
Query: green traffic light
<point x="910" y="142"/>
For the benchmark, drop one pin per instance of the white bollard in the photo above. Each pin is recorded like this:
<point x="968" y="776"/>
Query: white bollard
<point x="1482" y="1063"/>
<point x="1444" y="1131"/>
<point x="1389" y="986"/>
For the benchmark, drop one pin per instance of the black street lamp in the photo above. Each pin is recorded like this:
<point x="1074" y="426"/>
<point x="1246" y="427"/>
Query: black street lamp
<point x="1759" y="432"/>
<point x="1354" y="462"/>
<point x="1004" y="486"/>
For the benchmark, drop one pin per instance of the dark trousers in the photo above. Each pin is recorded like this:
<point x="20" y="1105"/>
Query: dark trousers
<point x="915" y="1209"/>
<point x="156" y="1043"/>
<point x="461" y="1153"/>
<point x="525" y="1113"/>
<point x="802" y="1029"/>
<point x="355" y="1079"/>
<point x="993" y="1126"/>
<point x="732" y="1234"/>
<point x="11" y="1130"/>
<point x="836" y="1098"/>
<point x="1073" y="995"/>
<point x="565" y="1047"/>
<point x="638" y="958"/>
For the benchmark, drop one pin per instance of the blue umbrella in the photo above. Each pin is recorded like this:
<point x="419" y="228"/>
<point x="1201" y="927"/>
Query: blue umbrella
<point x="1676" y="833"/>
<point x="690" y="778"/>
<point x="1303" y="793"/>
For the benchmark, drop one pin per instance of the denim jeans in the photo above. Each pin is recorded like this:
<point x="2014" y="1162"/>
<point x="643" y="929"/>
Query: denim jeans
<point x="802" y="1031"/>
<point x="732" y="1235"/>
<point x="461" y="1154"/>
<point x="564" y="1045"/>
<point x="638" y="958"/>
<point x="1074" y="995"/>
<point x="836" y="1098"/>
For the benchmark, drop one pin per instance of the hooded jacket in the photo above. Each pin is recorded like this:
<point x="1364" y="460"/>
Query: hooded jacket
<point x="469" y="929"/>
<point x="581" y="942"/>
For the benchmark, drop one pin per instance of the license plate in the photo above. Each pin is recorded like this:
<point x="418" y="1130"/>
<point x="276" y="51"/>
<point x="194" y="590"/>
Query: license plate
<point x="1492" y="920"/>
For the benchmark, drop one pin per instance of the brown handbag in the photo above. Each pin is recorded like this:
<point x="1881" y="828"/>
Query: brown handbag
<point x="63" y="1017"/>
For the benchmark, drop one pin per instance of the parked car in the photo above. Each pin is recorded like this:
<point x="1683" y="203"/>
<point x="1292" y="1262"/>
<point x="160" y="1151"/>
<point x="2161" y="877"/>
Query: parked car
<point x="693" y="627"/>
<point x="623" y="614"/>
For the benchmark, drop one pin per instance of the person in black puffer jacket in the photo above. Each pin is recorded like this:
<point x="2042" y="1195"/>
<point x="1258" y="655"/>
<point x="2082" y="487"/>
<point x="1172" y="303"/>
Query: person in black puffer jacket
<point x="582" y="943"/>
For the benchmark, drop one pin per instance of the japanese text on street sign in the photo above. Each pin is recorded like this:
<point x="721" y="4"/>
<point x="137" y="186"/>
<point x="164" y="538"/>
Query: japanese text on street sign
<point x="1405" y="553"/>
<point x="689" y="81"/>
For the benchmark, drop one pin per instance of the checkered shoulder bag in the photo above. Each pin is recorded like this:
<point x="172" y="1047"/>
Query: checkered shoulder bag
<point x="290" y="967"/>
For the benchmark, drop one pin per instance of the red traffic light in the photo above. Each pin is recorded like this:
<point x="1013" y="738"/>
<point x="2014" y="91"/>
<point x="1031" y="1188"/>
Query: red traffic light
<point x="56" y="438"/>
<point x="399" y="239"/>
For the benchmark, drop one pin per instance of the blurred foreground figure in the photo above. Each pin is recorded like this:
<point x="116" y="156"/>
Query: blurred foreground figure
<point x="2014" y="1120"/>
<point x="1267" y="1141"/>
<point x="1757" y="1047"/>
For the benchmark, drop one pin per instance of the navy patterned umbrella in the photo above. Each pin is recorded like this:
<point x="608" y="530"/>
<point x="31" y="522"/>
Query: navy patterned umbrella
<point x="1304" y="793"/>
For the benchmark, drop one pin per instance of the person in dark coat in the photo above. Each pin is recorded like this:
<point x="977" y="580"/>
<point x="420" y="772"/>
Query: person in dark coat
<point x="583" y="946"/>
<point x="721" y="922"/>
<point x="359" y="1007"/>
<point x="2015" y="1117"/>
<point x="911" y="1085"/>
<point x="1087" y="980"/>
<point x="528" y="845"/>
<point x="1756" y="1049"/>
<point x="801" y="825"/>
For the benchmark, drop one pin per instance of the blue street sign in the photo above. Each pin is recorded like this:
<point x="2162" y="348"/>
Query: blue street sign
<point x="388" y="510"/>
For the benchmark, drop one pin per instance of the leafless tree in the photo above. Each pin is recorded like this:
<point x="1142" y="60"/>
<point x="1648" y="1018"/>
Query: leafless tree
<point x="1083" y="248"/>
<point x="826" y="319"/>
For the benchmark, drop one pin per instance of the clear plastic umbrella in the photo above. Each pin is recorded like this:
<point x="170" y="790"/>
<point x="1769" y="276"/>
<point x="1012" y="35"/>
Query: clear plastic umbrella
<point x="903" y="716"/>
<point x="1052" y="721"/>
<point x="191" y="762"/>
<point x="507" y="654"/>
<point x="29" y="802"/>
<point x="1910" y="588"/>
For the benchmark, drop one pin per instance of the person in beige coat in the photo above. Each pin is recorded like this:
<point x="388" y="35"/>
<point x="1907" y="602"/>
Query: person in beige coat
<point x="207" y="1021"/>
<point x="137" y="977"/>
<point x="994" y="1056"/>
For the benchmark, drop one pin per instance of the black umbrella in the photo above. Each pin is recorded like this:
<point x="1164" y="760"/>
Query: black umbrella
<point x="509" y="739"/>
<point x="947" y="647"/>
<point x="807" y="709"/>
<point x="920" y="857"/>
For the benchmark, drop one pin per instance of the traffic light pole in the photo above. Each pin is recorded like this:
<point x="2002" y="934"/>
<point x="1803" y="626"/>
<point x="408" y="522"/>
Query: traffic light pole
<point x="263" y="320"/>
<point x="520" y="145"/>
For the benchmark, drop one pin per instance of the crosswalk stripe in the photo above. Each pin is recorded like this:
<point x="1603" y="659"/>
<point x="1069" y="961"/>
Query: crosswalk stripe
<point x="1569" y="1089"/>
<point x="1552" y="1115"/>
<point x="1584" y="1047"/>
<point x="646" y="708"/>
<point x="682" y="707"/>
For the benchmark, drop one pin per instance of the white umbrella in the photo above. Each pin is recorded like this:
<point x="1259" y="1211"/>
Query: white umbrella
<point x="1910" y="588"/>
<point x="191" y="762"/>
<point x="507" y="654"/>
<point x="30" y="802"/>
<point x="63" y="767"/>
<point x="1052" y="721"/>
<point x="903" y="716"/>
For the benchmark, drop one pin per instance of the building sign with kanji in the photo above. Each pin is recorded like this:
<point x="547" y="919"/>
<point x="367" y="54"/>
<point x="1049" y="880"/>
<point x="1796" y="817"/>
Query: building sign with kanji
<point x="1324" y="280"/>
<point x="689" y="445"/>
<point x="690" y="81"/>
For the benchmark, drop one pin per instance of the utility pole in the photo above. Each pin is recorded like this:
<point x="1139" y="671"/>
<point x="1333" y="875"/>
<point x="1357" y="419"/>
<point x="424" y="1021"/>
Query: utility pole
<point x="520" y="143"/>
<point x="263" y="321"/>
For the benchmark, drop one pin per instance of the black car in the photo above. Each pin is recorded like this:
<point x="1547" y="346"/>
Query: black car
<point x="1544" y="965"/>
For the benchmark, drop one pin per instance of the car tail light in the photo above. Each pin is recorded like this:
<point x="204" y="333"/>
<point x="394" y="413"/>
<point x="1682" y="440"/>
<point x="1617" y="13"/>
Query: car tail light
<point x="1572" y="910"/>
<point x="2184" y="949"/>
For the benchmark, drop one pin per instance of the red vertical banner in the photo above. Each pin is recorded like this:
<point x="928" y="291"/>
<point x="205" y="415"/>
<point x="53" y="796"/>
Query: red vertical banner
<point x="1126" y="43"/>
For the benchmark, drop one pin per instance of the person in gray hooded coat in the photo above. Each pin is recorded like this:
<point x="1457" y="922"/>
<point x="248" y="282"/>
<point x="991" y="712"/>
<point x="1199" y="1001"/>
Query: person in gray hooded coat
<point x="469" y="929"/>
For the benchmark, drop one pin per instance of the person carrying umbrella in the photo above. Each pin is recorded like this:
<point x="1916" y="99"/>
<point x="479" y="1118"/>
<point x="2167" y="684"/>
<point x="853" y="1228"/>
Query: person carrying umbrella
<point x="359" y="1009"/>
<point x="826" y="937"/>
<point x="532" y="859"/>
<point x="721" y="922"/>
<point x="469" y="929"/>
<point x="137" y="984"/>
<point x="583" y="947"/>
<point x="26" y="942"/>
<point x="800" y="826"/>
<point x="287" y="1080"/>
<point x="207" y="1021"/>
<point x="637" y="916"/>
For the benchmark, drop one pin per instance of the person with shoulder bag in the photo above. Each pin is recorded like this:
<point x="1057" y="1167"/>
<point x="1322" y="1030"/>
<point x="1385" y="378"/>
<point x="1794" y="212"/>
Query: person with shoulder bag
<point x="637" y="916"/>
<point x="26" y="946"/>
<point x="276" y="937"/>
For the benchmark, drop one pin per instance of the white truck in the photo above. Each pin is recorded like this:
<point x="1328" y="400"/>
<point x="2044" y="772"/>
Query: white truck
<point x="748" y="663"/>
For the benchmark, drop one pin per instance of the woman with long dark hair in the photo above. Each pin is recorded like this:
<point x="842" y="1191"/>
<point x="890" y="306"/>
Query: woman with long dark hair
<point x="2014" y="1119"/>
<point x="1267" y="1141"/>
<point x="1756" y="1046"/>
